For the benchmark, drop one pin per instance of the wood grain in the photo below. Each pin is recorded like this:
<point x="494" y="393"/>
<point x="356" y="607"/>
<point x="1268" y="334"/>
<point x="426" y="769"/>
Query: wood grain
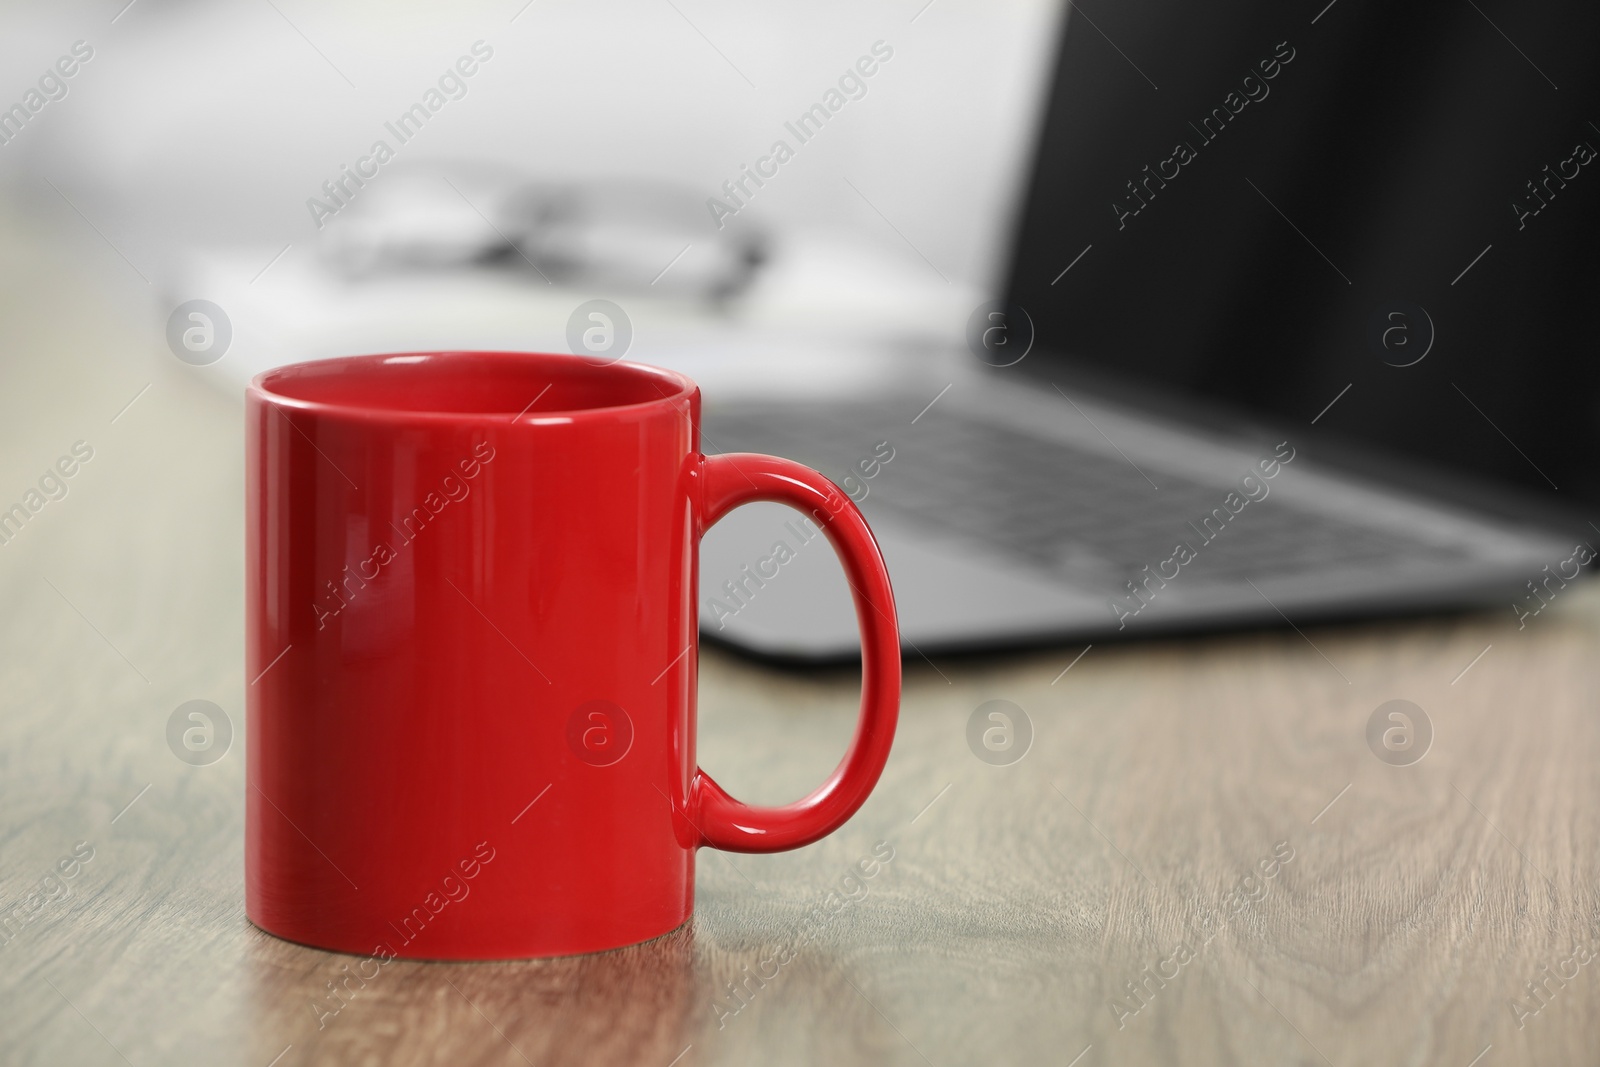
<point x="1019" y="904"/>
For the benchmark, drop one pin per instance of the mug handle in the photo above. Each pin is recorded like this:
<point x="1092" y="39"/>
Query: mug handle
<point x="736" y="478"/>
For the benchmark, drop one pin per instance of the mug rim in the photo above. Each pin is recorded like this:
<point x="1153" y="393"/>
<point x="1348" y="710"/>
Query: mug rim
<point x="263" y="384"/>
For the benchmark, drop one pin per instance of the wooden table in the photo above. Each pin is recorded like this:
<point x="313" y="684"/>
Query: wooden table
<point x="1103" y="900"/>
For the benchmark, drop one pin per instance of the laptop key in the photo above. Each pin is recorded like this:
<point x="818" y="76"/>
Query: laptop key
<point x="1081" y="513"/>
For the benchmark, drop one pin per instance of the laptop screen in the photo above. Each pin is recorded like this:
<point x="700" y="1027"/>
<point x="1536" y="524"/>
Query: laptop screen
<point x="1359" y="223"/>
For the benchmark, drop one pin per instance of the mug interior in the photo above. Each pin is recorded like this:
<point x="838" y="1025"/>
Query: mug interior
<point x="472" y="383"/>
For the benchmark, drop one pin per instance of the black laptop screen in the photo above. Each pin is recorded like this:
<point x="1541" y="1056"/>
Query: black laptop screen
<point x="1380" y="219"/>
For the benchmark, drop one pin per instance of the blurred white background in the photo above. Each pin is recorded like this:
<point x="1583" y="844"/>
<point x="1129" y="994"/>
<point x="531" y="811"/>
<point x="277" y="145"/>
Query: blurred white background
<point x="184" y="153"/>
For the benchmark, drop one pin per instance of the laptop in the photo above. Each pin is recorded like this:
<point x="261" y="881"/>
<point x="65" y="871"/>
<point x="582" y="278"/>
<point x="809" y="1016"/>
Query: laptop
<point x="1299" y="324"/>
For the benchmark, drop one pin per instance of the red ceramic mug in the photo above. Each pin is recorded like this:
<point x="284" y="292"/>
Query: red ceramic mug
<point x="471" y="654"/>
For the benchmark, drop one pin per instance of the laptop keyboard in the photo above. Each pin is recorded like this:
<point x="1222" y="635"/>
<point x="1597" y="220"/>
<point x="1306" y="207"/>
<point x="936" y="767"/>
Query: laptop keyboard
<point x="1093" y="518"/>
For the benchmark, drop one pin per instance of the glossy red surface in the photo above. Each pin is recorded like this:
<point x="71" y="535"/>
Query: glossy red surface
<point x="471" y="634"/>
